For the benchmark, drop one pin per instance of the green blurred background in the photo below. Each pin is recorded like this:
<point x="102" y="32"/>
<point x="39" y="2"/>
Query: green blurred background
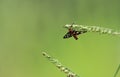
<point x="29" y="27"/>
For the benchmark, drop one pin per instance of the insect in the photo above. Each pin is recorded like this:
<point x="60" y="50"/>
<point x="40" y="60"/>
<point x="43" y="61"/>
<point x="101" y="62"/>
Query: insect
<point x="73" y="33"/>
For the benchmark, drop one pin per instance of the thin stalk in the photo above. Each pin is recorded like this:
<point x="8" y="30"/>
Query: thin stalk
<point x="60" y="66"/>
<point x="117" y="71"/>
<point x="91" y="29"/>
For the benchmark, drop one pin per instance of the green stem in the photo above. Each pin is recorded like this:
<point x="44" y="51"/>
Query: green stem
<point x="91" y="29"/>
<point x="117" y="71"/>
<point x="60" y="66"/>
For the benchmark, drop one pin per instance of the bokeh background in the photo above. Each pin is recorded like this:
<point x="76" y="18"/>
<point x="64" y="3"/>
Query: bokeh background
<point x="29" y="27"/>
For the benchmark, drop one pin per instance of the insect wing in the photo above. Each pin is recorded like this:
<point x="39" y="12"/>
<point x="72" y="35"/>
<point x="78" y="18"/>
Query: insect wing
<point x="67" y="35"/>
<point x="77" y="32"/>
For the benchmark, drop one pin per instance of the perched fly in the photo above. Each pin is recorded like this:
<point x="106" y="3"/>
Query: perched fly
<point x="73" y="33"/>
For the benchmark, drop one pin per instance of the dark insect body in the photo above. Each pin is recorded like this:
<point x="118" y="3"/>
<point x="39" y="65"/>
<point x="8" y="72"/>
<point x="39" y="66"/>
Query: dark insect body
<point x="73" y="33"/>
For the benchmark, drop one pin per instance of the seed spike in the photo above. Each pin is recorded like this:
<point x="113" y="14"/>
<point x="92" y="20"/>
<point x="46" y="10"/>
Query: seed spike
<point x="91" y="29"/>
<point x="60" y="66"/>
